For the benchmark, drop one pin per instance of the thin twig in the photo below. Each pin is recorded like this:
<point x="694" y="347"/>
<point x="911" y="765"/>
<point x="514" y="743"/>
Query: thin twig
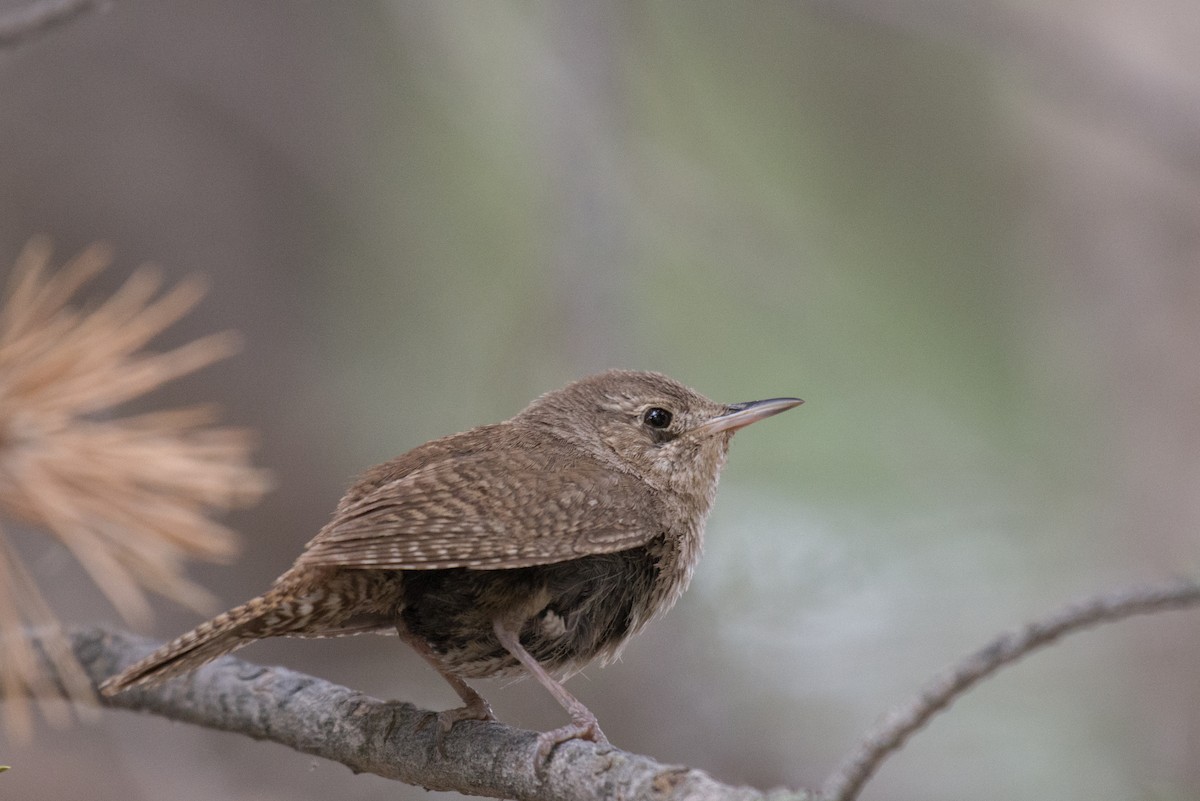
<point x="389" y="738"/>
<point x="891" y="733"/>
<point x="32" y="20"/>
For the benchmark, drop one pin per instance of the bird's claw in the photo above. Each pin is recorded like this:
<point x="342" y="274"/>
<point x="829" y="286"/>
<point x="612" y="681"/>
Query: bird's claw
<point x="480" y="710"/>
<point x="581" y="727"/>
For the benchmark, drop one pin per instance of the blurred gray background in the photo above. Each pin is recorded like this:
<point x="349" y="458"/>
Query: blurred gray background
<point x="966" y="234"/>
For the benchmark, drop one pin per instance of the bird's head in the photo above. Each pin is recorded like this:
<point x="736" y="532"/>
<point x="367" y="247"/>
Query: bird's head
<point x="649" y="425"/>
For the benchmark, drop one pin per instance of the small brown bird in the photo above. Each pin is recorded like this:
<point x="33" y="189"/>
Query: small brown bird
<point x="537" y="544"/>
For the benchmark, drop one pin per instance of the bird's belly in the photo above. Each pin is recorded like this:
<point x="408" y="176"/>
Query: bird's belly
<point x="570" y="613"/>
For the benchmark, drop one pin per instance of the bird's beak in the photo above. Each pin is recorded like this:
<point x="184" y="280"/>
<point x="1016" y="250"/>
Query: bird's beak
<point x="739" y="415"/>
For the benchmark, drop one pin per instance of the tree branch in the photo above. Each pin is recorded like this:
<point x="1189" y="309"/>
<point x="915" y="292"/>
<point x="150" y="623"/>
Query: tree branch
<point x="30" y="21"/>
<point x="890" y="734"/>
<point x="387" y="738"/>
<point x="492" y="759"/>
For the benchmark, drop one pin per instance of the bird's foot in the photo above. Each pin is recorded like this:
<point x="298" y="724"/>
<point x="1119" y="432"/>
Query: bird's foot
<point x="583" y="726"/>
<point x="477" y="709"/>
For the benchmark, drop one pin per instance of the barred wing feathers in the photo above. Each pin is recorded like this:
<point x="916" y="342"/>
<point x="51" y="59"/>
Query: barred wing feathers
<point x="488" y="510"/>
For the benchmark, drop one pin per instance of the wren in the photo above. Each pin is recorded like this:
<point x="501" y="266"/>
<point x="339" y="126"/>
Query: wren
<point x="534" y="545"/>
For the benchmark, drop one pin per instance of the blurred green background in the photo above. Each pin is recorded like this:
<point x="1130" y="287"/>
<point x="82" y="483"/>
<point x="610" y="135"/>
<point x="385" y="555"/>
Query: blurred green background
<point x="966" y="234"/>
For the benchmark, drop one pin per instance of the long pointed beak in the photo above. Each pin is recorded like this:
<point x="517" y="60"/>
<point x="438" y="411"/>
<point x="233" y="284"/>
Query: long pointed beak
<point x="740" y="415"/>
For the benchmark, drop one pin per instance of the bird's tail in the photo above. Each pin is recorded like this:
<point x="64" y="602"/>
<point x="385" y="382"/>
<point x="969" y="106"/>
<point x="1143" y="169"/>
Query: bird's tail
<point x="224" y="633"/>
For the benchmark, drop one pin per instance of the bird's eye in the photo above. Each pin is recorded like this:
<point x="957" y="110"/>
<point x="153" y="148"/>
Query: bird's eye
<point x="657" y="418"/>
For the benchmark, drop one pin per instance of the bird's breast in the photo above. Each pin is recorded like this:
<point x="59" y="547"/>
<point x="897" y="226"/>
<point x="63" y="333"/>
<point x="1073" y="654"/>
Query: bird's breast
<point x="574" y="611"/>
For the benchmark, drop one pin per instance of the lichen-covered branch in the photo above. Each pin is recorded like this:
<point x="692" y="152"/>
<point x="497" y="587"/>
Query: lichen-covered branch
<point x="491" y="759"/>
<point x="387" y="738"/>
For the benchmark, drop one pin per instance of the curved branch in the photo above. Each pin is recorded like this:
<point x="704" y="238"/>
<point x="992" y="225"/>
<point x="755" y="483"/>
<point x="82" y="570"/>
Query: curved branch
<point x="386" y="738"/>
<point x="892" y="732"/>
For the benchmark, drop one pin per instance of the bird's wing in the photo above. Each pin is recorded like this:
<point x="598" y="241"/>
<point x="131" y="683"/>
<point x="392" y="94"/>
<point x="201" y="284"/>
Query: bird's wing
<point x="488" y="511"/>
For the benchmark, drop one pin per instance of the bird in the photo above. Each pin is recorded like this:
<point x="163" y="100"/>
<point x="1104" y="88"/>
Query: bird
<point x="533" y="546"/>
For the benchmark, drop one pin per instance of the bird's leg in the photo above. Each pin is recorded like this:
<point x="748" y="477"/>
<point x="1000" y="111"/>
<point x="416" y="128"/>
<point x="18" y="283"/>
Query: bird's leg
<point x="475" y="707"/>
<point x="583" y="726"/>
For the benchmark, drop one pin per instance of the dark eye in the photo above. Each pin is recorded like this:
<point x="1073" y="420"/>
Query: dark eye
<point x="657" y="418"/>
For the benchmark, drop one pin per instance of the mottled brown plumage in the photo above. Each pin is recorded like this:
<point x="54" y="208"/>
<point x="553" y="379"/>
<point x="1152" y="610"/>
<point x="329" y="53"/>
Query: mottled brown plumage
<point x="534" y="545"/>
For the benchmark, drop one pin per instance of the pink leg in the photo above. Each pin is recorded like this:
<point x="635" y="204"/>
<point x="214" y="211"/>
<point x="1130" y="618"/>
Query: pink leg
<point x="475" y="707"/>
<point x="583" y="726"/>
